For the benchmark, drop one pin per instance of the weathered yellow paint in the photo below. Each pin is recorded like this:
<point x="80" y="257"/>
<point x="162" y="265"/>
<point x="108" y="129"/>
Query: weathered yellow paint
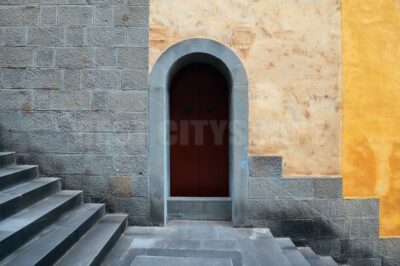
<point x="371" y="123"/>
<point x="292" y="53"/>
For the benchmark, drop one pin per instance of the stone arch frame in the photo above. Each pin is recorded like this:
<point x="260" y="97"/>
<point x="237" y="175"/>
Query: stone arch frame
<point x="172" y="60"/>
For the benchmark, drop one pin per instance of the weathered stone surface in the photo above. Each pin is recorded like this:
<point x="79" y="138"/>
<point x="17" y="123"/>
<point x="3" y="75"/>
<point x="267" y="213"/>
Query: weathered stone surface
<point x="99" y="100"/>
<point x="87" y="143"/>
<point x="365" y="262"/>
<point x="120" y="186"/>
<point x="16" y="57"/>
<point x="138" y="37"/>
<point x="75" y="36"/>
<point x="74" y="57"/>
<point x="19" y="142"/>
<point x="47" y="142"/>
<point x="105" y="57"/>
<point x="94" y="122"/>
<point x="356" y="248"/>
<point x="130" y="122"/>
<point x="136" y="16"/>
<point x="72" y="79"/>
<point x="101" y="79"/>
<point x="9" y="120"/>
<point x="15" y="99"/>
<point x="75" y="15"/>
<point x="130" y="165"/>
<point x="32" y="78"/>
<point x="96" y="164"/>
<point x="103" y="15"/>
<point x="48" y="15"/>
<point x="128" y="144"/>
<point x="328" y="188"/>
<point x="133" y="101"/>
<point x="140" y="187"/>
<point x="106" y="36"/>
<point x="54" y="164"/>
<point x="44" y="57"/>
<point x="96" y="187"/>
<point x="64" y="100"/>
<point x="66" y="121"/>
<point x="266" y="166"/>
<point x="264" y="188"/>
<point x="38" y="121"/>
<point x="14" y="36"/>
<point x="296" y="188"/>
<point x="46" y="36"/>
<point x="364" y="227"/>
<point x="18" y="15"/>
<point x="135" y="79"/>
<point x="132" y="58"/>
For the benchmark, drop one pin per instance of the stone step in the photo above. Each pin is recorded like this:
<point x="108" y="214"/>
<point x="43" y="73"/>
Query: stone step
<point x="235" y="256"/>
<point x="179" y="261"/>
<point x="22" y="226"/>
<point x="328" y="261"/>
<point x="310" y="256"/>
<point x="7" y="159"/>
<point x="96" y="243"/>
<point x="25" y="194"/>
<point x="52" y="242"/>
<point x="15" y="174"/>
<point x="269" y="252"/>
<point x="291" y="252"/>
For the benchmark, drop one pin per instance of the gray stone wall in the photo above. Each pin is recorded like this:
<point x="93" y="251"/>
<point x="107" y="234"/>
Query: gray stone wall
<point x="73" y="95"/>
<point x="313" y="212"/>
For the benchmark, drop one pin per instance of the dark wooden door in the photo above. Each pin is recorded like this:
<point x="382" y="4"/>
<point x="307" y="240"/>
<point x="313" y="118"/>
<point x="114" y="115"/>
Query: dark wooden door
<point x="199" y="132"/>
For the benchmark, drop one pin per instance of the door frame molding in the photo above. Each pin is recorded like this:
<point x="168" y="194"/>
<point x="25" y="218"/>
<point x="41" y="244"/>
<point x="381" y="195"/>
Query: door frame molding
<point x="172" y="60"/>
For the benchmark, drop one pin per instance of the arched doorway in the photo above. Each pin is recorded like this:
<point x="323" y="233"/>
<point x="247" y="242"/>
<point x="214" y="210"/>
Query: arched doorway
<point x="199" y="131"/>
<point x="171" y="62"/>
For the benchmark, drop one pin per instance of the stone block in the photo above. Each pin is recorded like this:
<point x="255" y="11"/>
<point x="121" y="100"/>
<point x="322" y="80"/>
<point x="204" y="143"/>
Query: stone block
<point x="38" y="121"/>
<point x="55" y="164"/>
<point x="72" y="79"/>
<point x="309" y="209"/>
<point x="66" y="121"/>
<point x="141" y="206"/>
<point x="4" y="139"/>
<point x="15" y="99"/>
<point x="87" y="143"/>
<point x="75" y="36"/>
<point x="275" y="226"/>
<point x="47" y="143"/>
<point x="337" y="208"/>
<point x="132" y="101"/>
<point x="128" y="144"/>
<point x="364" y="227"/>
<point x="138" y="37"/>
<point x="106" y="36"/>
<point x="296" y="188"/>
<point x="99" y="100"/>
<point x="140" y="187"/>
<point x="136" y="16"/>
<point x="68" y="101"/>
<point x="46" y="36"/>
<point x="96" y="164"/>
<point x="73" y="182"/>
<point x="48" y="15"/>
<point x="130" y="122"/>
<point x="120" y="186"/>
<point x="390" y="261"/>
<point x="257" y="209"/>
<point x="94" y="122"/>
<point x="96" y="187"/>
<point x="74" y="57"/>
<point x="105" y="57"/>
<point x="325" y="247"/>
<point x="19" y="15"/>
<point x="135" y="79"/>
<point x="16" y="57"/>
<point x="365" y="262"/>
<point x="264" y="188"/>
<point x="14" y="36"/>
<point x="388" y="247"/>
<point x="132" y="58"/>
<point x="75" y="15"/>
<point x="356" y="248"/>
<point x="44" y="57"/>
<point x="32" y="78"/>
<point x="103" y="15"/>
<point x="138" y="2"/>
<point x="328" y="188"/>
<point x="19" y="142"/>
<point x="101" y="79"/>
<point x="299" y="229"/>
<point x="9" y="120"/>
<point x="362" y="208"/>
<point x="332" y="228"/>
<point x="130" y="165"/>
<point x="42" y="99"/>
<point x="266" y="166"/>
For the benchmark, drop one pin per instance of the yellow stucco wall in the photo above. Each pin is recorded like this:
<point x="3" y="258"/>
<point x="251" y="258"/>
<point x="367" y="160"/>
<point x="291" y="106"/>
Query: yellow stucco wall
<point x="371" y="124"/>
<point x="292" y="53"/>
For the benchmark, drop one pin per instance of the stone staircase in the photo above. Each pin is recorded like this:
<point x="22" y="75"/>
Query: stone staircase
<point x="206" y="243"/>
<point x="40" y="224"/>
